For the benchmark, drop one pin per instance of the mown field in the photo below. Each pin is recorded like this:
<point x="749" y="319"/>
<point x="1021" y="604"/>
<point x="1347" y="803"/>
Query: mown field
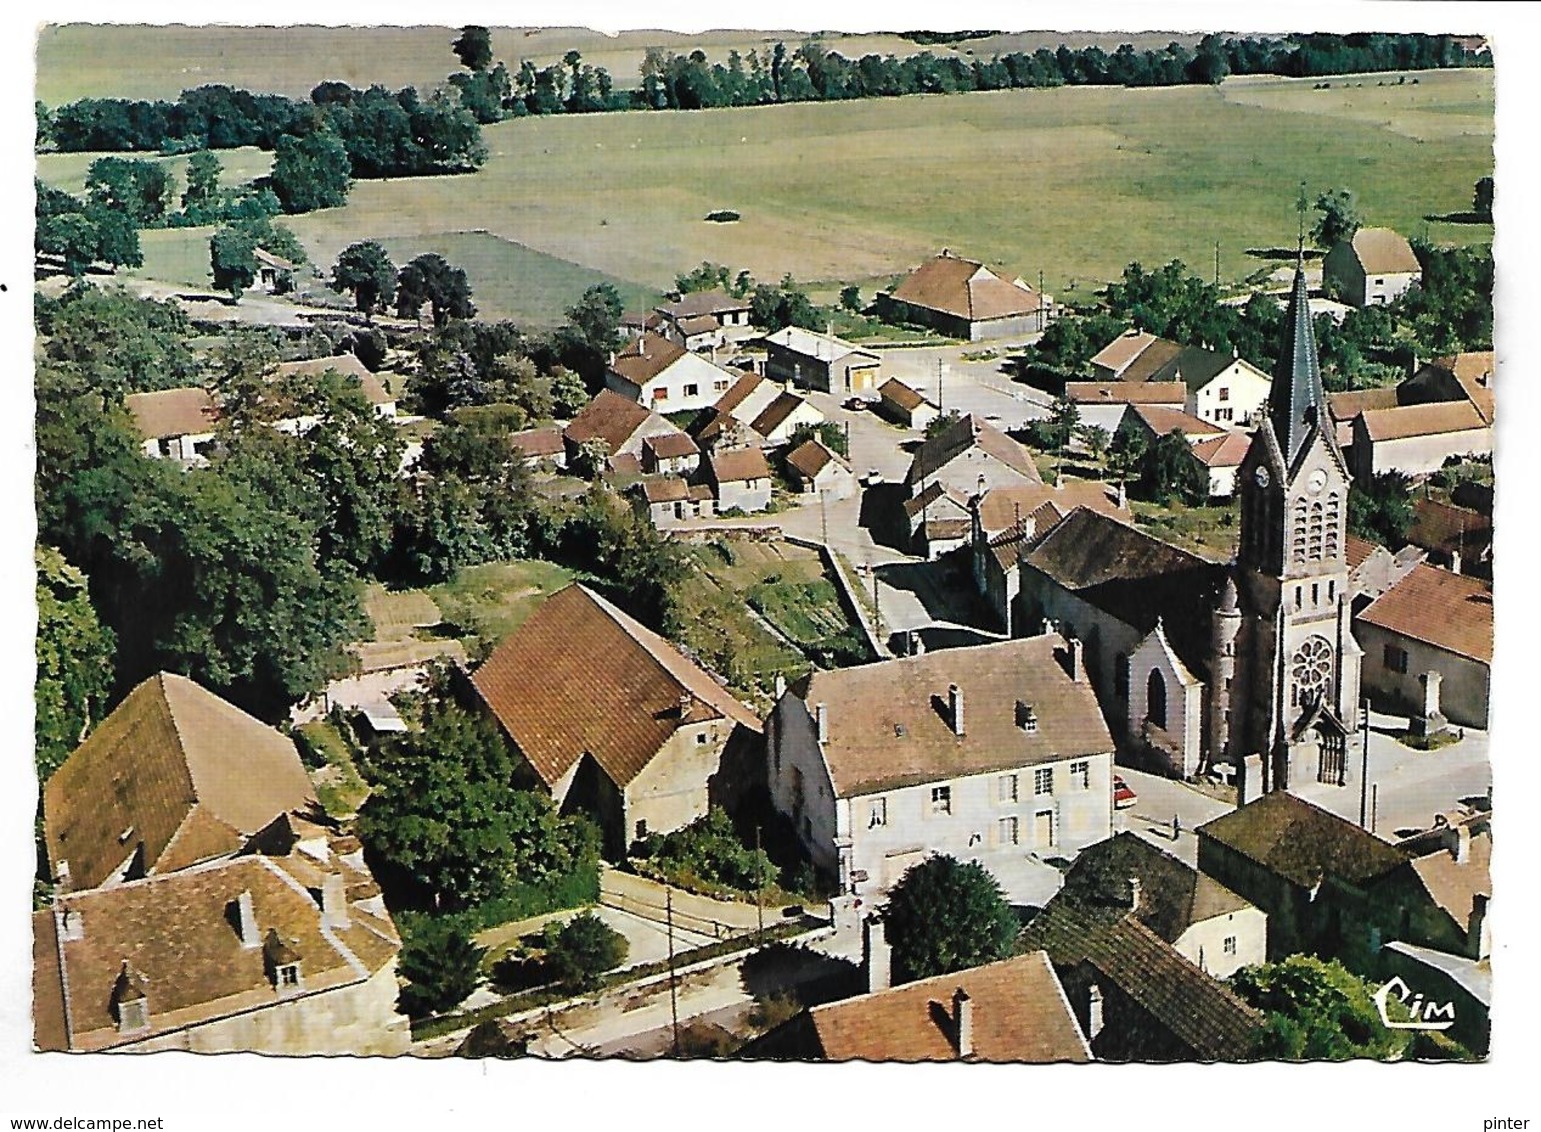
<point x="1073" y="183"/>
<point x="95" y="61"/>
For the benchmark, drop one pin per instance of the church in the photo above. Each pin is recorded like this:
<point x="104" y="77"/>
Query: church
<point x="1246" y="666"/>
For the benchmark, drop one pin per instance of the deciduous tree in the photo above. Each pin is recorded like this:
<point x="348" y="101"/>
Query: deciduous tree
<point x="310" y="172"/>
<point x="1316" y="1010"/>
<point x="1338" y="218"/>
<point x="431" y="279"/>
<point x="946" y="916"/>
<point x="74" y="661"/>
<point x="366" y="270"/>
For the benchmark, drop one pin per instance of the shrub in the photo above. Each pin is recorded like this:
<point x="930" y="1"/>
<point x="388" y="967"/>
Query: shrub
<point x="441" y="964"/>
<point x="722" y="216"/>
<point x="709" y="850"/>
<point x="581" y="950"/>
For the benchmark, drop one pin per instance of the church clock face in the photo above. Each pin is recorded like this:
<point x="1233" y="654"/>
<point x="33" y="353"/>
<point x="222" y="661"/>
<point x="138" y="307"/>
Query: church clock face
<point x="1311" y="669"/>
<point x="1262" y="476"/>
<point x="1316" y="481"/>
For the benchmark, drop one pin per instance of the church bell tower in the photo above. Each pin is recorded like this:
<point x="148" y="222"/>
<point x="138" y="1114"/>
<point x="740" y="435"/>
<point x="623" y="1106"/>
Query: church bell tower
<point x="1295" y="693"/>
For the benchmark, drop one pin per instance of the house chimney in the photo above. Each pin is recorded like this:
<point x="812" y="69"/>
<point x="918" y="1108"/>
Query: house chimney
<point x="684" y="703"/>
<point x="1093" y="1012"/>
<point x="1073" y="658"/>
<point x="334" y="901"/>
<point x="912" y="641"/>
<point x="246" y="921"/>
<point x="963" y="1022"/>
<point x="1455" y="561"/>
<point x="1134" y="894"/>
<point x="876" y="961"/>
<point x="71" y="926"/>
<point x="821" y="714"/>
<point x="781" y="685"/>
<point x="612" y="358"/>
<point x="955" y="706"/>
<point x="1460" y="848"/>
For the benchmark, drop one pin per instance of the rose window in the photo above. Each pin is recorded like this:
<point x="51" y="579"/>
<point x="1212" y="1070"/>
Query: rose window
<point x="1311" y="670"/>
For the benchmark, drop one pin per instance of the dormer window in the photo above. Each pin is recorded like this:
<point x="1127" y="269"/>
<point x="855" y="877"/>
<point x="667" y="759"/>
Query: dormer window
<point x="129" y="1003"/>
<point x="282" y="962"/>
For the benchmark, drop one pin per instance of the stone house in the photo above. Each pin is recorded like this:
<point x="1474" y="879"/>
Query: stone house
<point x="1376" y="266"/>
<point x="819" y="470"/>
<point x="1103" y="404"/>
<point x="670" y="453"/>
<point x="275" y="275"/>
<point x="616" y="425"/>
<point x="740" y="478"/>
<point x="994" y="753"/>
<point x="175" y="424"/>
<point x="1222" y="389"/>
<point x="284" y="948"/>
<point x="174" y="776"/>
<point x="1456" y="377"/>
<point x="1417" y="439"/>
<point x="667" y="501"/>
<point x="703" y="320"/>
<point x="1204" y="922"/>
<point x="1135" y="995"/>
<point x="962" y="298"/>
<point x="661" y="375"/>
<point x="540" y="447"/>
<point x="970" y="456"/>
<point x="613" y="722"/>
<point x="1222" y="457"/>
<point x="785" y="414"/>
<point x="347" y="365"/>
<point x="937" y="520"/>
<point x="903" y="405"/>
<point x="1011" y="1011"/>
<point x="1430" y="621"/>
<point x="819" y="361"/>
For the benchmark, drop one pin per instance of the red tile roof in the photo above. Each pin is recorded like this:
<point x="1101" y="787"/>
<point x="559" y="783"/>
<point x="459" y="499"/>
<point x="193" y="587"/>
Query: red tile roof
<point x="1162" y="419"/>
<point x="348" y="365"/>
<point x="1382" y="251"/>
<point x="967" y="289"/>
<point x="1422" y="420"/>
<point x="608" y="417"/>
<point x="645" y="357"/>
<point x="1000" y="507"/>
<point x="536" y="442"/>
<point x="1226" y="451"/>
<point x="1127" y="392"/>
<point x="811" y="457"/>
<point x="901" y="395"/>
<point x="1449" y="611"/>
<point x="671" y="445"/>
<point x="581" y="676"/>
<point x="737" y="465"/>
<point x="172" y="412"/>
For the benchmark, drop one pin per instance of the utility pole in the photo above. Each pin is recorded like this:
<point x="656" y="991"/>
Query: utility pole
<point x="939" y="384"/>
<point x="1217" y="263"/>
<point x="823" y="519"/>
<point x="759" y="889"/>
<point x="674" y="1004"/>
<point x="1374" y="805"/>
<point x="1364" y="769"/>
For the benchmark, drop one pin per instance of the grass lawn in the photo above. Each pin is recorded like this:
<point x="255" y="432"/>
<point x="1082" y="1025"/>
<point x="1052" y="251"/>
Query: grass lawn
<point x="67" y="171"/>
<point x="339" y="787"/>
<point x="1211" y="531"/>
<point x="1113" y="175"/>
<point x="485" y="603"/>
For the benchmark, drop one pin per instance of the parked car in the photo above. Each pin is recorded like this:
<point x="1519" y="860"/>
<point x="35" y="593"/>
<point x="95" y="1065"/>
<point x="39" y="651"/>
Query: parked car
<point x="856" y="404"/>
<point x="1123" y="796"/>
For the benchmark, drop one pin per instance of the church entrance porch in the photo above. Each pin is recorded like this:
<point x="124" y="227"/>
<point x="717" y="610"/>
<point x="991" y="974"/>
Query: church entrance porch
<point x="1319" y="743"/>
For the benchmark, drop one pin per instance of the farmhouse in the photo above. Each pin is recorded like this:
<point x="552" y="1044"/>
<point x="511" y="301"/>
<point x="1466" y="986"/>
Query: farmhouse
<point x="1205" y="922"/>
<point x="1417" y="439"/>
<point x="1222" y="457"/>
<point x="612" y="721"/>
<point x="540" y="447"/>
<point x="1376" y="266"/>
<point x="937" y="520"/>
<point x="1459" y="538"/>
<point x="175" y="424"/>
<point x="674" y="453"/>
<point x="819" y="470"/>
<point x="1458" y="377"/>
<point x="785" y="414"/>
<point x="661" y="375"/>
<point x="1012" y="1011"/>
<point x="1135" y="995"/>
<point x="1102" y="404"/>
<point x="616" y="425"/>
<point x="172" y="777"/>
<point x="1435" y="622"/>
<point x="275" y="275"/>
<point x="968" y="456"/>
<point x="1222" y="389"/>
<point x="718" y="431"/>
<point x="819" y="361"/>
<point x="740" y="478"/>
<point x="987" y="753"/>
<point x="901" y="404"/>
<point x="667" y="501"/>
<point x="704" y="320"/>
<point x="962" y="298"/>
<point x="347" y="365"/>
<point x="284" y="948"/>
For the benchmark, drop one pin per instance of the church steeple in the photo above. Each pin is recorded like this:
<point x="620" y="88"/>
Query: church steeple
<point x="1297" y="401"/>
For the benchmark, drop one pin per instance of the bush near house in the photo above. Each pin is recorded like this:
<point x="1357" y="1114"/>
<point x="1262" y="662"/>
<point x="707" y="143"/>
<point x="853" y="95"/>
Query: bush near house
<point x="581" y="950"/>
<point x="707" y="856"/>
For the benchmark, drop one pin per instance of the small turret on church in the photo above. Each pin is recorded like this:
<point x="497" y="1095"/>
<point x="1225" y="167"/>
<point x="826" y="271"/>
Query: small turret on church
<point x="1295" y="687"/>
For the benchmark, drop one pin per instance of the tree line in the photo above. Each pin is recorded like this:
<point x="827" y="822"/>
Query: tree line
<point x="402" y="133"/>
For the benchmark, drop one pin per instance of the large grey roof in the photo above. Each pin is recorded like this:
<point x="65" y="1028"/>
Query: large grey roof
<point x="1296" y="401"/>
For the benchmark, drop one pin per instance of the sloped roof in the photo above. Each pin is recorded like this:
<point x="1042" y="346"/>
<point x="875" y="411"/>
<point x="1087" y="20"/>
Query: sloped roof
<point x="739" y="392"/>
<point x="581" y="676"/>
<point x="1127" y="392"/>
<point x="1471" y="373"/>
<point x="1000" y="507"/>
<point x="1348" y="405"/>
<point x="1303" y="843"/>
<point x="1422" y="420"/>
<point x="664" y="489"/>
<point x="180" y="771"/>
<point x="1226" y="451"/>
<point x="811" y="457"/>
<point x="348" y="365"/>
<point x="776" y="413"/>
<point x="172" y="412"/>
<point x="1198" y="1010"/>
<point x="1157" y="359"/>
<point x="889" y="724"/>
<point x="608" y="417"/>
<point x="700" y="324"/>
<point x="966" y="288"/>
<point x="934" y="494"/>
<point x="696" y="304"/>
<point x="1449" y="611"/>
<point x="821" y="347"/>
<point x="1454" y="886"/>
<point x="901" y="395"/>
<point x="1444" y="527"/>
<point x="533" y="442"/>
<point x="1382" y="251"/>
<point x="1162" y="419"/>
<point x="1020" y="1014"/>
<point x="1117" y="354"/>
<point x="963" y="434"/>
<point x="1173" y="895"/>
<point x="177" y="933"/>
<point x="737" y="465"/>
<point x="671" y="445"/>
<point x="645" y="357"/>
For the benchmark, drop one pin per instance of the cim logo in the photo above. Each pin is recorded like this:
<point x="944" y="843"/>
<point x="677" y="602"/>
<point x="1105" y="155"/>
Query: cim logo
<point x="1423" y="1015"/>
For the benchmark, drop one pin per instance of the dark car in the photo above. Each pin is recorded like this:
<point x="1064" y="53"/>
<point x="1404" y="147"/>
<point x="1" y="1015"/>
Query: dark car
<point x="856" y="404"/>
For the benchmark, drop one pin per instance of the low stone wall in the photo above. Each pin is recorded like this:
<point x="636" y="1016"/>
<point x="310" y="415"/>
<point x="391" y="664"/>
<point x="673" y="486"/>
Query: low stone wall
<point x="849" y="599"/>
